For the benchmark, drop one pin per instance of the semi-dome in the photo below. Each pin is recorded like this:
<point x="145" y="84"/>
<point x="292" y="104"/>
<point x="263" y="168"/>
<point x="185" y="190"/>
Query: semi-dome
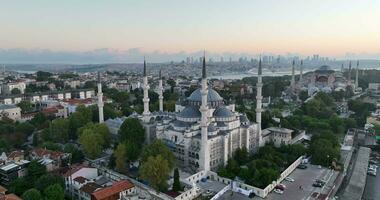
<point x="324" y="69"/>
<point x="190" y="113"/>
<point x="223" y="114"/>
<point x="212" y="96"/>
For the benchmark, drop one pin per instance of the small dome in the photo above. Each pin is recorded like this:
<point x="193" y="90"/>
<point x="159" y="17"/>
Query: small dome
<point x="190" y="112"/>
<point x="211" y="96"/>
<point x="223" y="112"/>
<point x="324" y="69"/>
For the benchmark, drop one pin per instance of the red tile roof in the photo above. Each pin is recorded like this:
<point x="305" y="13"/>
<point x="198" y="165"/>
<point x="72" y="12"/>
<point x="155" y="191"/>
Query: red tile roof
<point x="78" y="101"/>
<point x="40" y="153"/>
<point x="90" y="187"/>
<point x="17" y="153"/>
<point x="116" y="188"/>
<point x="80" y="179"/>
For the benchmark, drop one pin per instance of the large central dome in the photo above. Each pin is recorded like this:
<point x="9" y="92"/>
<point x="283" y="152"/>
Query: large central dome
<point x="212" y="96"/>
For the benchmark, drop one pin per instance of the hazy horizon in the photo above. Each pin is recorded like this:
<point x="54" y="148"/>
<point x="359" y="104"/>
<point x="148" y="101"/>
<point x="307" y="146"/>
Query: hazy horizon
<point x="78" y="31"/>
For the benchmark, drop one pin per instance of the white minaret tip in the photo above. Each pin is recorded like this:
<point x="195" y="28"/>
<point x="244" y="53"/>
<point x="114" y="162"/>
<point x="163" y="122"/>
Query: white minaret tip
<point x="259" y="98"/>
<point x="100" y="100"/>
<point x="146" y="113"/>
<point x="160" y="92"/>
<point x="205" y="152"/>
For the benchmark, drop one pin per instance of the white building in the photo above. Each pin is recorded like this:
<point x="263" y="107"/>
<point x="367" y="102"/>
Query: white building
<point x="14" y="85"/>
<point x="10" y="111"/>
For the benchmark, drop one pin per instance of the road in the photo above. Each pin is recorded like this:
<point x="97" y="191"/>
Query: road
<point x="304" y="178"/>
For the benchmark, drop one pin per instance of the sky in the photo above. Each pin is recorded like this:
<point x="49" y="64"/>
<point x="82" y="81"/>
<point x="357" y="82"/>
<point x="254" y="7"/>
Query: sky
<point x="72" y="28"/>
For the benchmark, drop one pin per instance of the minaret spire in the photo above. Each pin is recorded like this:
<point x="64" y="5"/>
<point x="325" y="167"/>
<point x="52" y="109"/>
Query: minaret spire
<point x="100" y="100"/>
<point x="146" y="113"/>
<point x="205" y="153"/>
<point x="301" y="71"/>
<point x="357" y="75"/>
<point x="160" y="92"/>
<point x="293" y="81"/>
<point x="349" y="73"/>
<point x="259" y="98"/>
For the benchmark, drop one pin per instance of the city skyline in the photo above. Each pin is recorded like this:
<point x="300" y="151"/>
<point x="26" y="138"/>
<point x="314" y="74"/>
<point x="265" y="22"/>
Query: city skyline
<point x="340" y="29"/>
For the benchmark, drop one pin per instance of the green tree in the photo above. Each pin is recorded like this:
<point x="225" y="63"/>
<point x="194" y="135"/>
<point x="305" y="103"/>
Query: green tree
<point x="4" y="145"/>
<point x="26" y="106"/>
<point x="132" y="134"/>
<point x="158" y="147"/>
<point x="48" y="179"/>
<point x="303" y="95"/>
<point x="15" y="91"/>
<point x="81" y="117"/>
<point x="40" y="120"/>
<point x="92" y="143"/>
<point x="132" y="130"/>
<point x="59" y="130"/>
<point x="241" y="156"/>
<point x="19" y="186"/>
<point x="98" y="129"/>
<point x="121" y="157"/>
<point x="25" y="127"/>
<point x="156" y="171"/>
<point x="31" y="194"/>
<point x="35" y="170"/>
<point x="54" y="192"/>
<point x="43" y="76"/>
<point x="76" y="154"/>
<point x="176" y="183"/>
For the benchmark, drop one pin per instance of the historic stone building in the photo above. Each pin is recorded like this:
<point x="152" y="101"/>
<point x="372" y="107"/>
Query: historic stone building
<point x="204" y="130"/>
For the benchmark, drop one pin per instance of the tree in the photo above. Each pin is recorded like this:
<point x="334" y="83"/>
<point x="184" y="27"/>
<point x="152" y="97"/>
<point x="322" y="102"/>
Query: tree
<point x="132" y="130"/>
<point x="35" y="170"/>
<point x="4" y="145"/>
<point x="25" y="127"/>
<point x="48" y="179"/>
<point x="59" y="130"/>
<point x="156" y="171"/>
<point x="54" y="192"/>
<point x="78" y="119"/>
<point x="25" y="106"/>
<point x="39" y="120"/>
<point x="98" y="129"/>
<point x="158" y="147"/>
<point x="303" y="95"/>
<point x="43" y="76"/>
<point x="15" y="91"/>
<point x="132" y="134"/>
<point x="32" y="194"/>
<point x="92" y="143"/>
<point x="176" y="183"/>
<point x="76" y="154"/>
<point x="241" y="155"/>
<point x="19" y="186"/>
<point x="121" y="157"/>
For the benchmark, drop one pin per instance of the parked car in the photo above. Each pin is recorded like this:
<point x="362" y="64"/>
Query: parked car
<point x="373" y="166"/>
<point x="280" y="187"/>
<point x="372" y="169"/>
<point x="278" y="191"/>
<point x="289" y="179"/>
<point x="371" y="173"/>
<point x="315" y="184"/>
<point x="301" y="166"/>
<point x="252" y="195"/>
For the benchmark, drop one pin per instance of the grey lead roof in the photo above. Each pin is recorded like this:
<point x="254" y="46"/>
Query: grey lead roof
<point x="190" y="112"/>
<point x="211" y="96"/>
<point x="7" y="106"/>
<point x="222" y="111"/>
